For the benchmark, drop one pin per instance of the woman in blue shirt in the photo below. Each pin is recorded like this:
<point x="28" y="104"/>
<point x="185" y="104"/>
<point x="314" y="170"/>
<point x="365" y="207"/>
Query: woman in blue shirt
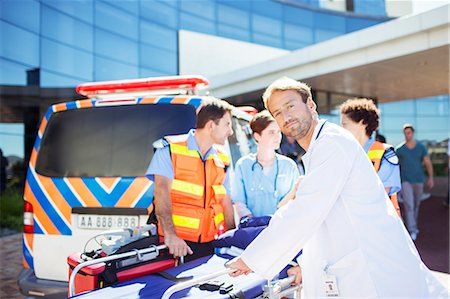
<point x="263" y="179"/>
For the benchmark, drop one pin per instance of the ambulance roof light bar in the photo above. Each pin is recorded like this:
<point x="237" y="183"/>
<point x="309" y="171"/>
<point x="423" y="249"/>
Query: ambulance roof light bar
<point x="185" y="83"/>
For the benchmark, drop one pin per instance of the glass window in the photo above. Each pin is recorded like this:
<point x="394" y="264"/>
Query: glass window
<point x="12" y="37"/>
<point x="65" y="29"/>
<point x="159" y="36"/>
<point x="266" y="25"/>
<point x="294" y="45"/>
<point x="108" y="141"/>
<point x="66" y="60"/>
<point x="106" y="69"/>
<point x="116" y="47"/>
<point x="233" y="32"/>
<point x="268" y="8"/>
<point x="373" y="7"/>
<point x="12" y="73"/>
<point x="241" y="142"/>
<point x="329" y="21"/>
<point x="50" y="79"/>
<point x="160" y="12"/>
<point x="432" y="124"/>
<point x="298" y="16"/>
<point x="131" y="6"/>
<point x="267" y="40"/>
<point x="433" y="106"/>
<point x="145" y="72"/>
<point x="233" y="16"/>
<point x="157" y="59"/>
<point x="204" y="9"/>
<point x="406" y="108"/>
<point x="74" y="8"/>
<point x="116" y="20"/>
<point x="194" y="23"/>
<point x="24" y="14"/>
<point x="394" y="124"/>
<point x="241" y="5"/>
<point x="322" y="35"/>
<point x="299" y="33"/>
<point x="354" y="24"/>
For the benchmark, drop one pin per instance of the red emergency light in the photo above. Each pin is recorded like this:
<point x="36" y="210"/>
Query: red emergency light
<point x="132" y="85"/>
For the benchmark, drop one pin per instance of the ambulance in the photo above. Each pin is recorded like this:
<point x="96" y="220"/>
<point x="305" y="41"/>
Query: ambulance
<point x="87" y="169"/>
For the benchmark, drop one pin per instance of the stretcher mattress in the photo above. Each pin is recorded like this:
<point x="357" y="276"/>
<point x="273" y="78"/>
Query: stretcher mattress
<point x="154" y="286"/>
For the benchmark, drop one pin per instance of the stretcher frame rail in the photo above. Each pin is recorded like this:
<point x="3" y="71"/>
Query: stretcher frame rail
<point x="137" y="253"/>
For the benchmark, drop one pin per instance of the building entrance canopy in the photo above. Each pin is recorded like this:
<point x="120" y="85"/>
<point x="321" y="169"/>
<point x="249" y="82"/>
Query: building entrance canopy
<point x="405" y="58"/>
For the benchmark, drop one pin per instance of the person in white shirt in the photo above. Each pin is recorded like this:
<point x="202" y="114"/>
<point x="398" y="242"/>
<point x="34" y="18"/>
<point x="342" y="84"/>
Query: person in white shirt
<point x="354" y="244"/>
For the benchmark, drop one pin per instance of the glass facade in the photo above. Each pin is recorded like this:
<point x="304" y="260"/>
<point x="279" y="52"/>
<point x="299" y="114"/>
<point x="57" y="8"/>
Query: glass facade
<point x="86" y="40"/>
<point x="71" y="42"/>
<point x="429" y="116"/>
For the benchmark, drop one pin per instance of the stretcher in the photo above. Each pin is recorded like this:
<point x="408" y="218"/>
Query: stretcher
<point x="205" y="277"/>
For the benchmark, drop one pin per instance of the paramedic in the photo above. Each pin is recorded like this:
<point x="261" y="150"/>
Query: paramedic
<point x="263" y="179"/>
<point x="191" y="180"/>
<point x="361" y="118"/>
<point x="354" y="244"/>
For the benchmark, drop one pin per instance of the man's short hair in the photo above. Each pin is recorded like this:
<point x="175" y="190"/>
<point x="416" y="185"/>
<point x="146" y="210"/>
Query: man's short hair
<point x="212" y="109"/>
<point x="285" y="83"/>
<point x="261" y="121"/>
<point x="358" y="109"/>
<point x="408" y="126"/>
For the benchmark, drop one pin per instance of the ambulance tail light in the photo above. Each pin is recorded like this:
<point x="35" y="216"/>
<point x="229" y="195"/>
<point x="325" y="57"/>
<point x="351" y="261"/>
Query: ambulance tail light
<point x="158" y="83"/>
<point x="28" y="222"/>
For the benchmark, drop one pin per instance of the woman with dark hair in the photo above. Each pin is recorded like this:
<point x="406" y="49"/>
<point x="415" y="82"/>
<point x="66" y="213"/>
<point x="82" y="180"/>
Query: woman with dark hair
<point x="263" y="179"/>
<point x="361" y="118"/>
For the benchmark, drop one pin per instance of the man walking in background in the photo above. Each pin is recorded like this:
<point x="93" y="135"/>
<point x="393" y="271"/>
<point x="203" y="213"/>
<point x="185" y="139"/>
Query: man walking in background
<point x="413" y="156"/>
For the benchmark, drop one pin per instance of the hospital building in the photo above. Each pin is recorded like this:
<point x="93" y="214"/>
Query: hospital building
<point x="394" y="52"/>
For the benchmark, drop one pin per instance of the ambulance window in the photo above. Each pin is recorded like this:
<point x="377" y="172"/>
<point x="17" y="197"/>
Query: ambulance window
<point x="108" y="141"/>
<point x="241" y="142"/>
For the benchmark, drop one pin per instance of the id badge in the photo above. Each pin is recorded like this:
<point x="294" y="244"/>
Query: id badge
<point x="331" y="288"/>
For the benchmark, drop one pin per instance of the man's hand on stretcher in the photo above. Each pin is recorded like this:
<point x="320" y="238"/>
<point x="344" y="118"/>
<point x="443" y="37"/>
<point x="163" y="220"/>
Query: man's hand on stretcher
<point x="239" y="266"/>
<point x="177" y="246"/>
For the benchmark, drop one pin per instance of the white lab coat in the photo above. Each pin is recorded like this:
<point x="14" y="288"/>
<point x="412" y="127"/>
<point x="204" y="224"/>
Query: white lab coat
<point x="343" y="219"/>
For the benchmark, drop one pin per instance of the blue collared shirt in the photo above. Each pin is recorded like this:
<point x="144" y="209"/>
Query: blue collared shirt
<point x="260" y="192"/>
<point x="389" y="173"/>
<point x="161" y="163"/>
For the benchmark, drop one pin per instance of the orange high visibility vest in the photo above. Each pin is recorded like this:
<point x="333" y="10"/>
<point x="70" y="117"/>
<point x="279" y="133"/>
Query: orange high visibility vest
<point x="376" y="153"/>
<point x="197" y="191"/>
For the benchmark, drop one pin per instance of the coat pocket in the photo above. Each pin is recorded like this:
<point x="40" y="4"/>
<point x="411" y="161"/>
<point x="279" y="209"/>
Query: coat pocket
<point x="353" y="276"/>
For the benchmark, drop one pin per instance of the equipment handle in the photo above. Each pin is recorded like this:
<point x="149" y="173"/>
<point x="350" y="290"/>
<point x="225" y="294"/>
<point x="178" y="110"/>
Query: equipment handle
<point x="107" y="259"/>
<point x="186" y="284"/>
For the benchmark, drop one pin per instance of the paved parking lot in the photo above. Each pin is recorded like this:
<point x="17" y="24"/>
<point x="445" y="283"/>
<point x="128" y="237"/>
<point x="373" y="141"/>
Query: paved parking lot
<point x="10" y="266"/>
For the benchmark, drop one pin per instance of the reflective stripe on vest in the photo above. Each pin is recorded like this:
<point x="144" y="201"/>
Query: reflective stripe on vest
<point x="187" y="187"/>
<point x="184" y="221"/>
<point x="218" y="219"/>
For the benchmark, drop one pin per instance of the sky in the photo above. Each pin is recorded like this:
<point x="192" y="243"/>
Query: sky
<point x="11" y="139"/>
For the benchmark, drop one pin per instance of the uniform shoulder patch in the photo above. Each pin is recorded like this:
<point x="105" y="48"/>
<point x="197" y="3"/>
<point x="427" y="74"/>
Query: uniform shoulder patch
<point x="391" y="156"/>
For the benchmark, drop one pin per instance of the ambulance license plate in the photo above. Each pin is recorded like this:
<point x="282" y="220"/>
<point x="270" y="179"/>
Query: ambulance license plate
<point x="87" y="221"/>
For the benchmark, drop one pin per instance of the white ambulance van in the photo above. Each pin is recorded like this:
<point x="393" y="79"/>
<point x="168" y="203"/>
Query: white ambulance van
<point x="87" y="170"/>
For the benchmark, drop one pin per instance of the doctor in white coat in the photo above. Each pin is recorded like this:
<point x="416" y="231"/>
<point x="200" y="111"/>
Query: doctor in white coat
<point x="354" y="244"/>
